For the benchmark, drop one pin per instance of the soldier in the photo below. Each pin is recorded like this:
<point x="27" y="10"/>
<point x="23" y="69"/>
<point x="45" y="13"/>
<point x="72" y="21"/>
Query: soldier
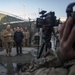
<point x="2" y="38"/>
<point x="24" y="37"/>
<point x="27" y="35"/>
<point x="64" y="63"/>
<point x="15" y="29"/>
<point x="22" y="30"/>
<point x="8" y="39"/>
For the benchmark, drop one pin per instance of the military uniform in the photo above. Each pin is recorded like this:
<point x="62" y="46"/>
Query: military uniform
<point x="24" y="39"/>
<point x="27" y="35"/>
<point x="2" y="39"/>
<point x="8" y="40"/>
<point x="47" y="66"/>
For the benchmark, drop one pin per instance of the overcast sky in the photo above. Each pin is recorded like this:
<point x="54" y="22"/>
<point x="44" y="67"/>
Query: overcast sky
<point x="30" y="8"/>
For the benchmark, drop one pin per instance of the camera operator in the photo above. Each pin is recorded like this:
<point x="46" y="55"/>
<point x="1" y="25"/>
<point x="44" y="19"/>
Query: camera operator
<point x="67" y="52"/>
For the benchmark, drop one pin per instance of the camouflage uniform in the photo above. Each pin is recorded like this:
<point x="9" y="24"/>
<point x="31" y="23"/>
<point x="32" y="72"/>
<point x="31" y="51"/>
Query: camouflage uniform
<point x="2" y="38"/>
<point x="26" y="38"/>
<point x="49" y="66"/>
<point x="8" y="40"/>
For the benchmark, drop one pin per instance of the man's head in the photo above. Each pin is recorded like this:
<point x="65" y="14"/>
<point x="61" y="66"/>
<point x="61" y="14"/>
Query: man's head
<point x="15" y="29"/>
<point x="18" y="29"/>
<point x="25" y="28"/>
<point x="21" y="29"/>
<point x="8" y="27"/>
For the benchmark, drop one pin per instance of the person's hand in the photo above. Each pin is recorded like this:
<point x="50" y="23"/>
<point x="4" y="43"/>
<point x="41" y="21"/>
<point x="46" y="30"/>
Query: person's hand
<point x="67" y="39"/>
<point x="9" y="34"/>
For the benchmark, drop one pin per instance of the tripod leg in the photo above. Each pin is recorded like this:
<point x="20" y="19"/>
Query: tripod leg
<point x="42" y="48"/>
<point x="46" y="47"/>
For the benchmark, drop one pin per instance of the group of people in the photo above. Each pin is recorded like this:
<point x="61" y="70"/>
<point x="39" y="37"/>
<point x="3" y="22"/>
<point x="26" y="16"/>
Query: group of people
<point x="17" y="36"/>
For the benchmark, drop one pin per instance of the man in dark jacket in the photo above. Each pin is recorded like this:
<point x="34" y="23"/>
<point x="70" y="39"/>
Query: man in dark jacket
<point x="18" y="37"/>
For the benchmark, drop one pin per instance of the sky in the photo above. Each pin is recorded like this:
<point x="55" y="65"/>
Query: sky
<point x="30" y="8"/>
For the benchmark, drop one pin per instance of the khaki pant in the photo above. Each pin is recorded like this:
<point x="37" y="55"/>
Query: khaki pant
<point x="23" y="43"/>
<point x="8" y="46"/>
<point x="26" y="42"/>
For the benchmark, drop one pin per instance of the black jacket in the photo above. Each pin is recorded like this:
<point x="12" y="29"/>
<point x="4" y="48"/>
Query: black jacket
<point x="18" y="37"/>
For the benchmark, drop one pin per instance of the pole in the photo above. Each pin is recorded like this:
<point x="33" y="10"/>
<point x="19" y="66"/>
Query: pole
<point x="30" y="31"/>
<point x="24" y="10"/>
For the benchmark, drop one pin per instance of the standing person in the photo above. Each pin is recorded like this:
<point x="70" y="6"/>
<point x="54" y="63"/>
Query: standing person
<point x="3" y="44"/>
<point x="27" y="35"/>
<point x="24" y="37"/>
<point x="13" y="40"/>
<point x="18" y="37"/>
<point x="8" y="39"/>
<point x="23" y="41"/>
<point x="21" y="29"/>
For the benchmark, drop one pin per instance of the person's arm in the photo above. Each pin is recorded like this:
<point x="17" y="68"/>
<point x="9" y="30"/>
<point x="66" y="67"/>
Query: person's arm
<point x="12" y="33"/>
<point x="4" y="33"/>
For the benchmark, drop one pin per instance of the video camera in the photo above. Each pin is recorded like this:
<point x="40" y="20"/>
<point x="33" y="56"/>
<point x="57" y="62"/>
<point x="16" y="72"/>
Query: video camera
<point x="47" y="19"/>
